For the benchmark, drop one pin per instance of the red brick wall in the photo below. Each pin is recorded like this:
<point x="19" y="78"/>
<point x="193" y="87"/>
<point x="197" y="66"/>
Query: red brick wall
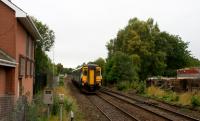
<point x="7" y="43"/>
<point x="13" y="41"/>
<point x="7" y="29"/>
<point x="27" y="81"/>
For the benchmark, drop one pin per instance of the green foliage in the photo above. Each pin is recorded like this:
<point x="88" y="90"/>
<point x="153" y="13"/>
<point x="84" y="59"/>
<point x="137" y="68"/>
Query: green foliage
<point x="43" y="64"/>
<point x="153" y="52"/>
<point x="48" y="36"/>
<point x="32" y="114"/>
<point x="68" y="105"/>
<point x="120" y="67"/>
<point x="67" y="70"/>
<point x="139" y="87"/>
<point x="61" y="82"/>
<point x="123" y="85"/>
<point x="60" y="68"/>
<point x="56" y="105"/>
<point x="195" y="100"/>
<point x="170" y="97"/>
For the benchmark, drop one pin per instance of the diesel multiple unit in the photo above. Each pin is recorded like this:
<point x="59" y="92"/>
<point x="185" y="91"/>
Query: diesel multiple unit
<point x="88" y="77"/>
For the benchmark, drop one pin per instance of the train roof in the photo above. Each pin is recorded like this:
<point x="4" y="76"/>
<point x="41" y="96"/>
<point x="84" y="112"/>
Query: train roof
<point x="88" y="65"/>
<point x="91" y="65"/>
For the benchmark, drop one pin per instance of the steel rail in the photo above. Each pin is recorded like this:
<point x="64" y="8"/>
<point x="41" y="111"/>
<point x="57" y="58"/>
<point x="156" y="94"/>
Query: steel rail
<point x="100" y="110"/>
<point x="107" y="91"/>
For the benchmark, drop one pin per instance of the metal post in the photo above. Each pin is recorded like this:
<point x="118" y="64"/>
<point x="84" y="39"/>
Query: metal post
<point x="61" y="112"/>
<point x="48" y="113"/>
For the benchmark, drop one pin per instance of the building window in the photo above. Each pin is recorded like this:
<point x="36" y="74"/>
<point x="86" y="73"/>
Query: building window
<point x="32" y="68"/>
<point x="22" y="66"/>
<point x="28" y="66"/>
<point x="29" y="47"/>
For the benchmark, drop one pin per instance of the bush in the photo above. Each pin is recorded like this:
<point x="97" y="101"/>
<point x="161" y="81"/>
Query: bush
<point x="123" y="85"/>
<point x="195" y="101"/>
<point x="55" y="106"/>
<point x="61" y="82"/>
<point x="170" y="96"/>
<point x="139" y="86"/>
<point x="68" y="105"/>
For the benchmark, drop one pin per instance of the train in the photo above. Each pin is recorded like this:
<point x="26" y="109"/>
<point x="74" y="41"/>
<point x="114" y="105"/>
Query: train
<point x="87" y="78"/>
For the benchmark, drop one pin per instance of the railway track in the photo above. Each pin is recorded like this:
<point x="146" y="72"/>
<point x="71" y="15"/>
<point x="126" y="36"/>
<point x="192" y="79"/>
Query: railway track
<point x="111" y="111"/>
<point x="154" y="109"/>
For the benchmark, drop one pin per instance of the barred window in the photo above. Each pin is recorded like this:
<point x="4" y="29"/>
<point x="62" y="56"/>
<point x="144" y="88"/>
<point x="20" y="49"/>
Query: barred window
<point x="22" y="66"/>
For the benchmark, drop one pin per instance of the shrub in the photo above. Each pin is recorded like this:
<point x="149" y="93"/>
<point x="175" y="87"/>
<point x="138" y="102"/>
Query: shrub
<point x="141" y="87"/>
<point x="55" y="106"/>
<point x="61" y="82"/>
<point x="68" y="105"/>
<point x="195" y="101"/>
<point x="123" y="85"/>
<point x="170" y="96"/>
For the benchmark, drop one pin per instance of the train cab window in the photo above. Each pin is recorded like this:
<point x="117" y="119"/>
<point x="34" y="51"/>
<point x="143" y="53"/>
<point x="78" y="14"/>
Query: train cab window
<point x="98" y="72"/>
<point x="85" y="72"/>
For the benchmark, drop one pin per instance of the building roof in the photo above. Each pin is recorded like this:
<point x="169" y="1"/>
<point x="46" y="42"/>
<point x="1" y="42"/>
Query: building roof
<point x="6" y="60"/>
<point x="24" y="19"/>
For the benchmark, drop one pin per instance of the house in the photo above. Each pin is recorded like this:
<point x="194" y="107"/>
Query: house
<point x="18" y="35"/>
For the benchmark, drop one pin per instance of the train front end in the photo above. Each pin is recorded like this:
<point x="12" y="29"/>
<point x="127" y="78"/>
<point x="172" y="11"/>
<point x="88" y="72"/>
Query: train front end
<point x="91" y="78"/>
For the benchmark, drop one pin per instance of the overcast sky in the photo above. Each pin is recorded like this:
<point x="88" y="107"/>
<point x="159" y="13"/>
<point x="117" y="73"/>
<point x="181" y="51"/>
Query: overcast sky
<point x="83" y="27"/>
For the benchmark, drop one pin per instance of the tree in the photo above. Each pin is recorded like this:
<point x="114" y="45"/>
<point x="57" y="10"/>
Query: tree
<point x="59" y="68"/>
<point x="43" y="64"/>
<point x="121" y="67"/>
<point x="153" y="52"/>
<point x="100" y="62"/>
<point x="48" y="36"/>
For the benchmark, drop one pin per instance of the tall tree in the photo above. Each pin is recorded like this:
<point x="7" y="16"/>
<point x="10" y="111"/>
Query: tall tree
<point x="43" y="64"/>
<point x="158" y="52"/>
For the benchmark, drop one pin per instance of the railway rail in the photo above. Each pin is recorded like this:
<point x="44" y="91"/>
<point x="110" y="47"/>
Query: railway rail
<point x="154" y="109"/>
<point x="115" y="110"/>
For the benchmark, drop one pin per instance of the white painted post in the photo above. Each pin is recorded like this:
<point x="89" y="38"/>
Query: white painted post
<point x="72" y="115"/>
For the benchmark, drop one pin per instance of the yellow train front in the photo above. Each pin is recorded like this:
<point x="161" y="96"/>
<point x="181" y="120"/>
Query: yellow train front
<point x="88" y="77"/>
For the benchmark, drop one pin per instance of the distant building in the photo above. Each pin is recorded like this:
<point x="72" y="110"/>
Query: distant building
<point x="188" y="79"/>
<point x="17" y="41"/>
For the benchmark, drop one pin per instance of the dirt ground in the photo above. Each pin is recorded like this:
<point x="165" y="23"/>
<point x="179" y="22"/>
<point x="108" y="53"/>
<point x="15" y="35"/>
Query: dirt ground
<point x="90" y="112"/>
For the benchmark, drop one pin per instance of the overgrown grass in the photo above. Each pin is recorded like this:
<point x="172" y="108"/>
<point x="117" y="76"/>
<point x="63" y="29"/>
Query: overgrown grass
<point x="68" y="105"/>
<point x="156" y="92"/>
<point x="185" y="99"/>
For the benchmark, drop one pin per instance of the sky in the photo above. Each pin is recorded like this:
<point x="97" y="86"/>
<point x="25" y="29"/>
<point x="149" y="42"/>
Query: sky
<point x="83" y="27"/>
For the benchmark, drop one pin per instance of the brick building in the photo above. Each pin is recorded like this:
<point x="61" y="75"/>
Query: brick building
<point x="17" y="39"/>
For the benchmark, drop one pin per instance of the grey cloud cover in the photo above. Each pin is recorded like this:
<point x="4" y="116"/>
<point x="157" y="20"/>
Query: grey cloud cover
<point x="83" y="27"/>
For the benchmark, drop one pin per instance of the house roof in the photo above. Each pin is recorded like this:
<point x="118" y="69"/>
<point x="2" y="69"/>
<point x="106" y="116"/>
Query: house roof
<point x="6" y="60"/>
<point x="24" y="19"/>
